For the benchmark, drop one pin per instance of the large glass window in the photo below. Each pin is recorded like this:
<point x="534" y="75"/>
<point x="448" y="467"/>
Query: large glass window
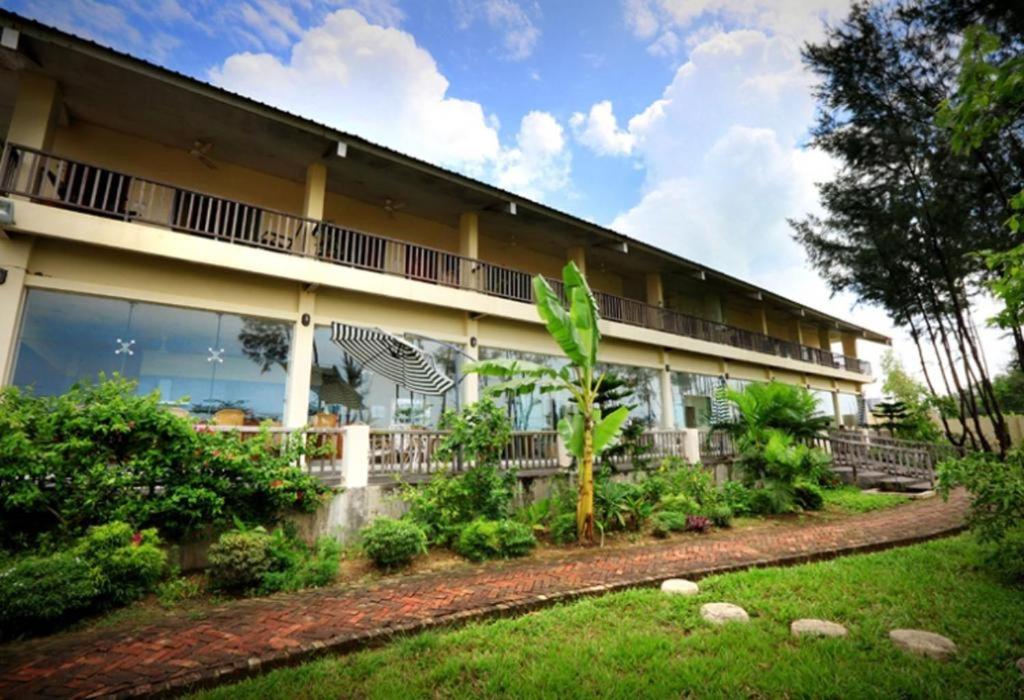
<point x="201" y="360"/>
<point x="850" y="410"/>
<point x="691" y="398"/>
<point x="824" y="401"/>
<point x="534" y="411"/>
<point x="340" y="386"/>
<point x="645" y="403"/>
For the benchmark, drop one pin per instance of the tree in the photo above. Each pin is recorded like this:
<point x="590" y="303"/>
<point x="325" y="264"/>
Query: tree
<point x="893" y="413"/>
<point x="907" y="209"/>
<point x="914" y="422"/>
<point x="574" y="328"/>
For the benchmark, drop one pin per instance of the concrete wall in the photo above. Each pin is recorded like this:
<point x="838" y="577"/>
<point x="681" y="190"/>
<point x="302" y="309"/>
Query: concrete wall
<point x="1014" y="424"/>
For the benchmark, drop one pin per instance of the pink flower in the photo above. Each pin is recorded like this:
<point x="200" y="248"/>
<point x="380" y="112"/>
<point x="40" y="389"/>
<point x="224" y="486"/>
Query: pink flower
<point x="137" y="539"/>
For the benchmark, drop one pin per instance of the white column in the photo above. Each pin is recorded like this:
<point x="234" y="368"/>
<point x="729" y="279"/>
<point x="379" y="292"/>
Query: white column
<point x="470" y="386"/>
<point x="355" y="456"/>
<point x="300" y="364"/>
<point x="691" y="446"/>
<point x="668" y="414"/>
<point x="14" y="257"/>
<point x="836" y="408"/>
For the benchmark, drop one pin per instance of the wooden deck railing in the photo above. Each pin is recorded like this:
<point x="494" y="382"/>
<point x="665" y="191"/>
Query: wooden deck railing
<point x="327" y="442"/>
<point x="62" y="182"/>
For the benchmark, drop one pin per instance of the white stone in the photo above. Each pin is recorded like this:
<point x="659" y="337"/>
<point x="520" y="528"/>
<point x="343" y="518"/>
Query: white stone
<point x="722" y="613"/>
<point x="816" y="628"/>
<point x="680" y="586"/>
<point x="928" y="644"/>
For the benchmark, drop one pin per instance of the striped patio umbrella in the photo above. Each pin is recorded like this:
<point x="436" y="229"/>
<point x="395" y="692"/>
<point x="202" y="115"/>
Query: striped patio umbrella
<point x="721" y="408"/>
<point x="330" y="388"/>
<point x="392" y="357"/>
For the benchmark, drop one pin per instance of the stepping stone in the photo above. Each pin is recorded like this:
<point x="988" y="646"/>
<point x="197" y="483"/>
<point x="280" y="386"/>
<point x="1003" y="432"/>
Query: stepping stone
<point x="928" y="644"/>
<point x="679" y="586"/>
<point x="816" y="628"/>
<point x="723" y="613"/>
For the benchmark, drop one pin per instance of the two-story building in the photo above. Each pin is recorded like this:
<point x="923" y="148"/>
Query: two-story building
<point x="202" y="243"/>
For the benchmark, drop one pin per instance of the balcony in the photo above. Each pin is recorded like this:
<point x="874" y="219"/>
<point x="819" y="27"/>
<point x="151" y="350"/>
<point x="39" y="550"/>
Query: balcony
<point x="47" y="178"/>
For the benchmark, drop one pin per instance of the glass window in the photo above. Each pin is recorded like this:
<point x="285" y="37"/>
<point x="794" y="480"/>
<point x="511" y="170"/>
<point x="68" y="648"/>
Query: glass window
<point x="202" y="360"/>
<point x="850" y="406"/>
<point x="691" y="398"/>
<point x="824" y="401"/>
<point x="340" y="386"/>
<point x="646" y="399"/>
<point x="534" y="411"/>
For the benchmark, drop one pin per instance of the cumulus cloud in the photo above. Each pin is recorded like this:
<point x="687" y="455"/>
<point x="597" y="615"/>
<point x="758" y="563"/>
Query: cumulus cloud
<point x="599" y="130"/>
<point x="516" y="25"/>
<point x="377" y="82"/>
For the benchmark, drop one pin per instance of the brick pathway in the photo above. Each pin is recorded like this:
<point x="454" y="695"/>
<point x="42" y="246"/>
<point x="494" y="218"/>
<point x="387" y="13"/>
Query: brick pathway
<point x="246" y="636"/>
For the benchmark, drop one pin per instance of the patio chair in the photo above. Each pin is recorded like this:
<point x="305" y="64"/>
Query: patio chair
<point x="234" y="417"/>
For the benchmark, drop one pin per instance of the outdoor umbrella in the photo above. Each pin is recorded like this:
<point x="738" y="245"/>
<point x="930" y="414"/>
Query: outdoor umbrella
<point x="721" y="409"/>
<point x="392" y="357"/>
<point x="332" y="389"/>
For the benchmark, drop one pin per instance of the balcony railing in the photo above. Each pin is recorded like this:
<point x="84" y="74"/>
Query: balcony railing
<point x="44" y="177"/>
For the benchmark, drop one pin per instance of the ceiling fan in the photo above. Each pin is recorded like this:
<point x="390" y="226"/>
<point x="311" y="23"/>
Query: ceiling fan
<point x="391" y="206"/>
<point x="201" y="151"/>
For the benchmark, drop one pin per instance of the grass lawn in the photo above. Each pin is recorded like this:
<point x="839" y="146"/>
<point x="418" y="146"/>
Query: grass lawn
<point x="853" y="500"/>
<point x="644" y="644"/>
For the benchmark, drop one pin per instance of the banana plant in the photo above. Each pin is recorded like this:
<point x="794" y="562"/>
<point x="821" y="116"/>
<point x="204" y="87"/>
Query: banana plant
<point x="573" y="327"/>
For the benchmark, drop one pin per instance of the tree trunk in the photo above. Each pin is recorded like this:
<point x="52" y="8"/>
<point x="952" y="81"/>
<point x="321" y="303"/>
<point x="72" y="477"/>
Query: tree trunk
<point x="585" y="504"/>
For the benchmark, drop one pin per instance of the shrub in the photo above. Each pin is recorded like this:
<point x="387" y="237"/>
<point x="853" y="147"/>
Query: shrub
<point x="445" y="504"/>
<point x="294" y="565"/>
<point x="40" y="593"/>
<point x="667" y="521"/>
<point x="1007" y="555"/>
<point x="239" y="559"/>
<point x="563" y="528"/>
<point x="808" y="495"/>
<point x="477" y="435"/>
<point x="491" y="539"/>
<point x="393" y="543"/>
<point x="100" y="453"/>
<point x="129" y="563"/>
<point x="178" y="589"/>
<point x="720" y="515"/>
<point x="679" y="503"/>
<point x="698" y="523"/>
<point x="738" y="497"/>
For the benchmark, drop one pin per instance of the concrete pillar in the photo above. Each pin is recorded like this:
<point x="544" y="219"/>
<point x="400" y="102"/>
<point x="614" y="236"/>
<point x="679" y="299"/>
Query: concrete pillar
<point x="36" y="110"/>
<point x="668" y="414"/>
<point x="300" y="364"/>
<point x="313" y="199"/>
<point x="469" y="247"/>
<point x="691" y="446"/>
<point x="14" y="257"/>
<point x="578" y="254"/>
<point x="655" y="289"/>
<point x="470" y="386"/>
<point x="355" y="456"/>
<point x="836" y="409"/>
<point x="849" y="345"/>
<point x="798" y="332"/>
<point x="764" y="320"/>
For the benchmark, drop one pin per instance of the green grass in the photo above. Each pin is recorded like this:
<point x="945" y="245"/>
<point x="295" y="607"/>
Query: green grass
<point x="643" y="644"/>
<point x="852" y="499"/>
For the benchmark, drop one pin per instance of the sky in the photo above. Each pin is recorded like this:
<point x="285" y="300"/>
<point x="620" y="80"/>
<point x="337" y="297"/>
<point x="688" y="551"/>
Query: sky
<point x="683" y="123"/>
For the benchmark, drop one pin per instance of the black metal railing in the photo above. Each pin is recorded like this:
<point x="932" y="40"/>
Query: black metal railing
<point x="62" y="182"/>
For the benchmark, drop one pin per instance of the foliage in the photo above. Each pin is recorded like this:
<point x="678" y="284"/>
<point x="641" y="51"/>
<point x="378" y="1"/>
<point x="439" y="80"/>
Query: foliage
<point x="108" y="567"/>
<point x="632" y="645"/>
<point x="914" y="423"/>
<point x="1009" y="389"/>
<point x="574" y="328"/>
<point x="130" y="563"/>
<point x="563" y="528"/>
<point x="808" y="495"/>
<point x="774" y="406"/>
<point x="239" y="559"/>
<point x="493" y="539"/>
<point x="294" y="565"/>
<point x="478" y="435"/>
<point x="698" y="523"/>
<point x="667" y="521"/>
<point x="720" y="515"/>
<point x="446" y="503"/>
<point x="907" y="203"/>
<point x="393" y="543"/>
<point x="996" y="488"/>
<point x="40" y="593"/>
<point x="177" y="589"/>
<point x="738" y="497"/>
<point x="101" y="453"/>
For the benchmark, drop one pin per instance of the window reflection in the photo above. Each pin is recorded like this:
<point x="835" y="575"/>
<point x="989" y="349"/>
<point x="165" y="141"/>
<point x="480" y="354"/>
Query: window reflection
<point x="342" y="391"/>
<point x="201" y="360"/>
<point x="535" y="411"/>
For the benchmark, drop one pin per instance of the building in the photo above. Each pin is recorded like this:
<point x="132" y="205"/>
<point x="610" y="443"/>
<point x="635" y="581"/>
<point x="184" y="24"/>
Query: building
<point x="202" y="243"/>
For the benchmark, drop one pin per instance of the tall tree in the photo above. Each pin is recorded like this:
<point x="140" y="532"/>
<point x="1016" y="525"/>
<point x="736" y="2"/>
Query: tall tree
<point x="906" y="210"/>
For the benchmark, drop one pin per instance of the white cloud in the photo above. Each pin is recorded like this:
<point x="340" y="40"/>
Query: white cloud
<point x="599" y="131"/>
<point x="519" y="32"/>
<point x="375" y="81"/>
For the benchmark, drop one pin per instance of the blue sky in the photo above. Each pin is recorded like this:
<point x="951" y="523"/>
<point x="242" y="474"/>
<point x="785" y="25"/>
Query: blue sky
<point x="680" y="122"/>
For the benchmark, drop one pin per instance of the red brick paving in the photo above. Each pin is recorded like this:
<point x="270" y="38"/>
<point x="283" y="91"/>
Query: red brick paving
<point x="246" y="636"/>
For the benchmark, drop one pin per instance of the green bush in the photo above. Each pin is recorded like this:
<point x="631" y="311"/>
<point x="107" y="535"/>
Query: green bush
<point x="563" y="528"/>
<point x="238" y="560"/>
<point x="808" y="495"/>
<point x="667" y="521"/>
<point x="720" y="515"/>
<point x="177" y="589"/>
<point x="493" y="539"/>
<point x="41" y="593"/>
<point x="738" y="497"/>
<point x="445" y="504"/>
<point x="679" y="503"/>
<point x="100" y="453"/>
<point x="1007" y="555"/>
<point x="130" y="563"/>
<point x="477" y="435"/>
<point x="393" y="543"/>
<point x="294" y="565"/>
